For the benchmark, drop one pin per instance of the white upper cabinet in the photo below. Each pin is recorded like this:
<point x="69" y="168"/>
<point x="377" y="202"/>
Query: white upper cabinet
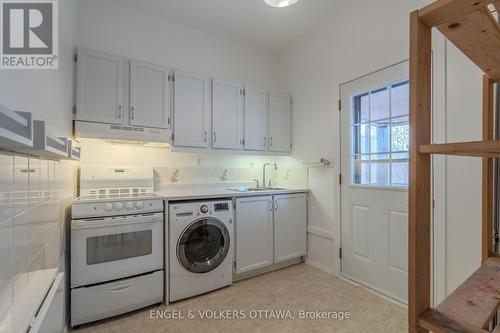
<point x="227" y="115"/>
<point x="149" y="95"/>
<point x="280" y="122"/>
<point x="99" y="87"/>
<point x="255" y="119"/>
<point x="290" y="226"/>
<point x="191" y="110"/>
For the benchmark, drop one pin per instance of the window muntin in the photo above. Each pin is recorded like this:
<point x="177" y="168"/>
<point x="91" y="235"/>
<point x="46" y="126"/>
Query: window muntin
<point x="380" y="136"/>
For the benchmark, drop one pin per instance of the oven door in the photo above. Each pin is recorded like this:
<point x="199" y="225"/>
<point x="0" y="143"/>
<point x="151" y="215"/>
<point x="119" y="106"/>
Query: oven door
<point x="105" y="249"/>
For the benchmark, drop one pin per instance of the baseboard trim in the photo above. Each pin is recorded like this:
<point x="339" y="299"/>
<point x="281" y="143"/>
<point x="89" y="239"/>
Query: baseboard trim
<point x="319" y="266"/>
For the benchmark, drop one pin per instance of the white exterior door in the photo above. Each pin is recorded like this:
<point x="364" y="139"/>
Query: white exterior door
<point x="254" y="233"/>
<point x="227" y="115"/>
<point x="280" y="122"/>
<point x="255" y="119"/>
<point x="99" y="87"/>
<point x="290" y="226"/>
<point x="149" y="95"/>
<point x="191" y="110"/>
<point x="374" y="168"/>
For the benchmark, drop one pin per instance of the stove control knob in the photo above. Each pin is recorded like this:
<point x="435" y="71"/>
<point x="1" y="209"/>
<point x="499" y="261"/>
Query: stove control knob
<point x="108" y="207"/>
<point x="129" y="205"/>
<point x="139" y="205"/>
<point x="118" y="206"/>
<point x="204" y="209"/>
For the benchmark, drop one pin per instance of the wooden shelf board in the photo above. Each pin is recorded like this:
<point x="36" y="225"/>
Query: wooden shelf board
<point x="437" y="322"/>
<point x="476" y="301"/>
<point x="477" y="35"/>
<point x="488" y="148"/>
<point x="443" y="11"/>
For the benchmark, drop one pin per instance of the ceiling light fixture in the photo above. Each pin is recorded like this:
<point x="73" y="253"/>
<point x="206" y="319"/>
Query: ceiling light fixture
<point x="280" y="3"/>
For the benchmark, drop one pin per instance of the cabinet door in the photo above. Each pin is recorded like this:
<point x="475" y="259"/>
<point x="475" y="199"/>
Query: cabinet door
<point x="254" y="233"/>
<point x="227" y="115"/>
<point x="280" y="122"/>
<point x="191" y="110"/>
<point x="149" y="95"/>
<point x="99" y="87"/>
<point x="290" y="226"/>
<point x="255" y="119"/>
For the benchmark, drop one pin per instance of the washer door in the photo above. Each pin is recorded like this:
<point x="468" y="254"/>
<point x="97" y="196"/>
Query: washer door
<point x="203" y="245"/>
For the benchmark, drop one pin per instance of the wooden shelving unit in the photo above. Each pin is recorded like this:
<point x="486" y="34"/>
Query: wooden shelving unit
<point x="469" y="25"/>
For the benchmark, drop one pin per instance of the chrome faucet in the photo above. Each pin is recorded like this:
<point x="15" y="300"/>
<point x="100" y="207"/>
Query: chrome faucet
<point x="264" y="172"/>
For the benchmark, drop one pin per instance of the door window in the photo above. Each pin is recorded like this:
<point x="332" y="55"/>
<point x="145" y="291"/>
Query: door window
<point x="101" y="249"/>
<point x="380" y="136"/>
<point x="203" y="245"/>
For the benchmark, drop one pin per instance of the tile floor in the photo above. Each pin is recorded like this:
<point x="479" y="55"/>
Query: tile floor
<point x="292" y="289"/>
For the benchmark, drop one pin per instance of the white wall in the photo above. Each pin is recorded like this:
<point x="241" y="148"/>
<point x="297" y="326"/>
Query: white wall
<point x="48" y="94"/>
<point x="361" y="37"/>
<point x="112" y="27"/>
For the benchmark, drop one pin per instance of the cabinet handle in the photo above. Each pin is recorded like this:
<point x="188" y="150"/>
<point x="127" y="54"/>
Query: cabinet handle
<point x="132" y="113"/>
<point x="215" y="137"/>
<point x="265" y="141"/>
<point x="205" y="136"/>
<point x="271" y="206"/>
<point x="119" y="112"/>
<point x="270" y="141"/>
<point x="275" y="205"/>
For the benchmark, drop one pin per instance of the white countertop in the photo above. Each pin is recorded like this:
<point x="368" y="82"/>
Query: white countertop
<point x="208" y="193"/>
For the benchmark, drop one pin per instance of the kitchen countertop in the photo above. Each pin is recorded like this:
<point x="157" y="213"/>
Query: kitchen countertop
<point x="208" y="193"/>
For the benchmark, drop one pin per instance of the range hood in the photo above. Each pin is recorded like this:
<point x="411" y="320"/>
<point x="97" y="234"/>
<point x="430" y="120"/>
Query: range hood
<point x="144" y="136"/>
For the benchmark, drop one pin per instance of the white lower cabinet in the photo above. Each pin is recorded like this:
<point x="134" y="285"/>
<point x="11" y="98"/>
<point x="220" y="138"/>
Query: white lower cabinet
<point x="270" y="230"/>
<point x="290" y="226"/>
<point x="254" y="233"/>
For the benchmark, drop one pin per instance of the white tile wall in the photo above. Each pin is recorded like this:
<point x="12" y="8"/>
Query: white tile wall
<point x="34" y="196"/>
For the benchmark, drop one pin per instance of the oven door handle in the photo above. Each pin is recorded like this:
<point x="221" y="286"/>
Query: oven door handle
<point x="111" y="222"/>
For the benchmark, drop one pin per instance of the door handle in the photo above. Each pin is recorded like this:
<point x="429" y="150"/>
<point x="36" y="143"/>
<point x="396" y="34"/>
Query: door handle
<point x="132" y="113"/>
<point x="270" y="141"/>
<point x="119" y="112"/>
<point x="276" y="205"/>
<point x="215" y="137"/>
<point x="265" y="141"/>
<point x="205" y="136"/>
<point x="122" y="288"/>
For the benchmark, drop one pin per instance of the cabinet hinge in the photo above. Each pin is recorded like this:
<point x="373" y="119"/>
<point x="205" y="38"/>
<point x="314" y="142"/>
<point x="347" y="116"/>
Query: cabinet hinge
<point x="75" y="57"/>
<point x="340" y="105"/>
<point x="340" y="179"/>
<point x="340" y="253"/>
<point x="74" y="109"/>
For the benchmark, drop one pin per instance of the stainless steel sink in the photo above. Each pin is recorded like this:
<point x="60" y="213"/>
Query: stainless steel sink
<point x="255" y="189"/>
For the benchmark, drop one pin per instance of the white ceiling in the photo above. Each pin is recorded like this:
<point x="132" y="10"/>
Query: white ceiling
<point x="250" y="22"/>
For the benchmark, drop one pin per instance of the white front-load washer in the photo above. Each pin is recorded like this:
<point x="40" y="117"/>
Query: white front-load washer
<point x="201" y="249"/>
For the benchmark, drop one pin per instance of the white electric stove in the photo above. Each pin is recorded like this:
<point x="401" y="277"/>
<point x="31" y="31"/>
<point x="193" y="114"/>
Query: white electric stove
<point x="117" y="241"/>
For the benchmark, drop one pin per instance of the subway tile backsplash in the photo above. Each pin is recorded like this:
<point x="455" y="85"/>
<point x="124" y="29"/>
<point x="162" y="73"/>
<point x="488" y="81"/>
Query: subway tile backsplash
<point x="34" y="198"/>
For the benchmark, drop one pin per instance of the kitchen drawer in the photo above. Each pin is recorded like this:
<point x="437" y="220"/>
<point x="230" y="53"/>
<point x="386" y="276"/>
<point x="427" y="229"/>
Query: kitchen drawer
<point x="110" y="299"/>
